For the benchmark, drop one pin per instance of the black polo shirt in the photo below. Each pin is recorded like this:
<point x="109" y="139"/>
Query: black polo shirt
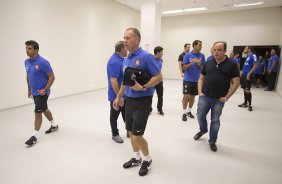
<point x="181" y="56"/>
<point x="217" y="77"/>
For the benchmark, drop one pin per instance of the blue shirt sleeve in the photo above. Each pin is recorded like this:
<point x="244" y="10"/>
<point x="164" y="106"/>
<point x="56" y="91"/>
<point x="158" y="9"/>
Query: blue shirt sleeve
<point x="152" y="66"/>
<point x="114" y="70"/>
<point x="46" y="67"/>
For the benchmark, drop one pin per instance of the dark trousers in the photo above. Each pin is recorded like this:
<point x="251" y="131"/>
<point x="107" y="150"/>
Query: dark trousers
<point x="114" y="117"/>
<point x="160" y="93"/>
<point x="272" y="80"/>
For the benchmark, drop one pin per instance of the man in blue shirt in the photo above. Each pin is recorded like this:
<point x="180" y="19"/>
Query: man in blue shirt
<point x="250" y="65"/>
<point x="192" y="64"/>
<point x="260" y="71"/>
<point x="40" y="78"/>
<point x="272" y="69"/>
<point x="158" y="52"/>
<point x="181" y="56"/>
<point x="211" y="57"/>
<point x="139" y="98"/>
<point x="115" y="77"/>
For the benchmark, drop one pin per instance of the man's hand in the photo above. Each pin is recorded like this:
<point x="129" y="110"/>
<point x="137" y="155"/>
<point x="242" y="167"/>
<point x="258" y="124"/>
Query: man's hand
<point x="182" y="74"/>
<point x="41" y="92"/>
<point x="29" y="94"/>
<point x="137" y="86"/>
<point x="119" y="102"/>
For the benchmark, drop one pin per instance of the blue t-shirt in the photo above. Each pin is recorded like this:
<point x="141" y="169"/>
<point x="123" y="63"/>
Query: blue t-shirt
<point x="192" y="74"/>
<point x="237" y="59"/>
<point x="273" y="59"/>
<point x="143" y="60"/>
<point x="249" y="63"/>
<point x="260" y="68"/>
<point x="210" y="58"/>
<point x="159" y="62"/>
<point x="37" y="71"/>
<point x="114" y="70"/>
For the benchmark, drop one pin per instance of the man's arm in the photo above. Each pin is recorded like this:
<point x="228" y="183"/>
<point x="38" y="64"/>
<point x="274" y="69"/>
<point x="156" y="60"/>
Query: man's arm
<point x="235" y="84"/>
<point x="118" y="101"/>
<point x="28" y="86"/>
<point x="252" y="70"/>
<point x="51" y="80"/>
<point x="200" y="84"/>
<point x="114" y="83"/>
<point x="180" y="68"/>
<point x="272" y="66"/>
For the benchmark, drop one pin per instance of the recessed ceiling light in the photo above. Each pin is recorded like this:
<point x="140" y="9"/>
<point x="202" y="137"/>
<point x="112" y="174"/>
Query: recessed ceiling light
<point x="195" y="9"/>
<point x="172" y="11"/>
<point x="248" y="4"/>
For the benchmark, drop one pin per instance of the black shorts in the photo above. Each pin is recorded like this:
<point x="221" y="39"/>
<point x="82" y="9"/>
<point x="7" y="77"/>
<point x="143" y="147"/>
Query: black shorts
<point x="246" y="84"/>
<point x="40" y="103"/>
<point x="137" y="112"/>
<point x="190" y="88"/>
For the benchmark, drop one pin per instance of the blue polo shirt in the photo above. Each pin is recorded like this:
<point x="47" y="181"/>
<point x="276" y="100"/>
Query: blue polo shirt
<point x="192" y="74"/>
<point x="273" y="59"/>
<point x="249" y="63"/>
<point x="210" y="58"/>
<point x="114" y="70"/>
<point x="260" y="68"/>
<point x="141" y="59"/>
<point x="159" y="62"/>
<point x="37" y="71"/>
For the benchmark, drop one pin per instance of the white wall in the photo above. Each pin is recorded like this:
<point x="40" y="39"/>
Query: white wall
<point x="77" y="37"/>
<point x="250" y="27"/>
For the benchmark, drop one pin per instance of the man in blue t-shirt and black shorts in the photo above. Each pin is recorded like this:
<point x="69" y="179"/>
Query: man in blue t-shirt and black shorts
<point x="139" y="98"/>
<point x="192" y="64"/>
<point x="250" y="65"/>
<point x="40" y="78"/>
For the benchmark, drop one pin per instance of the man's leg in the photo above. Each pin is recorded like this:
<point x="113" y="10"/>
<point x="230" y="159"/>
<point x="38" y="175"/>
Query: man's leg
<point x="202" y="111"/>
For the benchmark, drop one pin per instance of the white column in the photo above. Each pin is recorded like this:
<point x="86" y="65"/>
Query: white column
<point x="150" y="24"/>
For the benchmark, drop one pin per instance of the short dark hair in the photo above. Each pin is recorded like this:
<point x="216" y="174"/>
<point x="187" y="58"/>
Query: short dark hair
<point x="224" y="44"/>
<point x="196" y="42"/>
<point x="119" y="46"/>
<point x="33" y="43"/>
<point x="135" y="31"/>
<point x="185" y="45"/>
<point x="158" y="49"/>
<point x="251" y="48"/>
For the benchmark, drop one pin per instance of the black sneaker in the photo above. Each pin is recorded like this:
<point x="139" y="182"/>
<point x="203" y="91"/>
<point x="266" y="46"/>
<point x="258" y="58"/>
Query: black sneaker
<point x="198" y="135"/>
<point x="189" y="114"/>
<point x="161" y="112"/>
<point x="213" y="147"/>
<point x="184" y="117"/>
<point x="145" y="168"/>
<point x="52" y="129"/>
<point x="250" y="108"/>
<point x="132" y="162"/>
<point x="243" y="105"/>
<point x="31" y="141"/>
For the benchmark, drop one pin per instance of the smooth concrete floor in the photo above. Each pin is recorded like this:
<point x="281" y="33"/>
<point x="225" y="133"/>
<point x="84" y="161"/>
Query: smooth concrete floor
<point x="82" y="151"/>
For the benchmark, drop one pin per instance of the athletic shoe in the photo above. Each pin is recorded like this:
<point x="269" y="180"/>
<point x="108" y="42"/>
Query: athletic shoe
<point x="52" y="129"/>
<point x="31" y="141"/>
<point x="189" y="114"/>
<point x="117" y="138"/>
<point x="250" y="108"/>
<point x="243" y="105"/>
<point x="145" y="167"/>
<point x="198" y="135"/>
<point x="132" y="162"/>
<point x="161" y="112"/>
<point x="184" y="117"/>
<point x="213" y="147"/>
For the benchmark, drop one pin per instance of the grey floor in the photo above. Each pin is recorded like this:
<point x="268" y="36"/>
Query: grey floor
<point x="82" y="151"/>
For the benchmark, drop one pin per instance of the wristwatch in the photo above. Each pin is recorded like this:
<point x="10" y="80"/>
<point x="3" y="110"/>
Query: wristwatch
<point x="143" y="88"/>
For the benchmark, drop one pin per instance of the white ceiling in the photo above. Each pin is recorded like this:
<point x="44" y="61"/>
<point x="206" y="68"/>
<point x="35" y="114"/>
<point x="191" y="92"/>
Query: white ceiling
<point x="212" y="5"/>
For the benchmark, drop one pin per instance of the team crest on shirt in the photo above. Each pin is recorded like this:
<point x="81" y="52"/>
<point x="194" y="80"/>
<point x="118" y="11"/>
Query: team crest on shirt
<point x="36" y="67"/>
<point x="138" y="62"/>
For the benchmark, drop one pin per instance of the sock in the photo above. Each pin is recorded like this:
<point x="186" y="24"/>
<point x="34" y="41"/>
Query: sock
<point x="137" y="155"/>
<point x="189" y="109"/>
<point x="250" y="98"/>
<point x="53" y="124"/>
<point x="35" y="133"/>
<point x="245" y="97"/>
<point x="184" y="111"/>
<point x="147" y="158"/>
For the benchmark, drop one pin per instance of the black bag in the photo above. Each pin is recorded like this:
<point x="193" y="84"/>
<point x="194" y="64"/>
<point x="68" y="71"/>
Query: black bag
<point x="141" y="76"/>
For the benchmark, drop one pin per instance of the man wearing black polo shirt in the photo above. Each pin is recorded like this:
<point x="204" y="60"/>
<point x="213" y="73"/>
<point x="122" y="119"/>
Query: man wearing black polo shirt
<point x="181" y="56"/>
<point x="214" y="90"/>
